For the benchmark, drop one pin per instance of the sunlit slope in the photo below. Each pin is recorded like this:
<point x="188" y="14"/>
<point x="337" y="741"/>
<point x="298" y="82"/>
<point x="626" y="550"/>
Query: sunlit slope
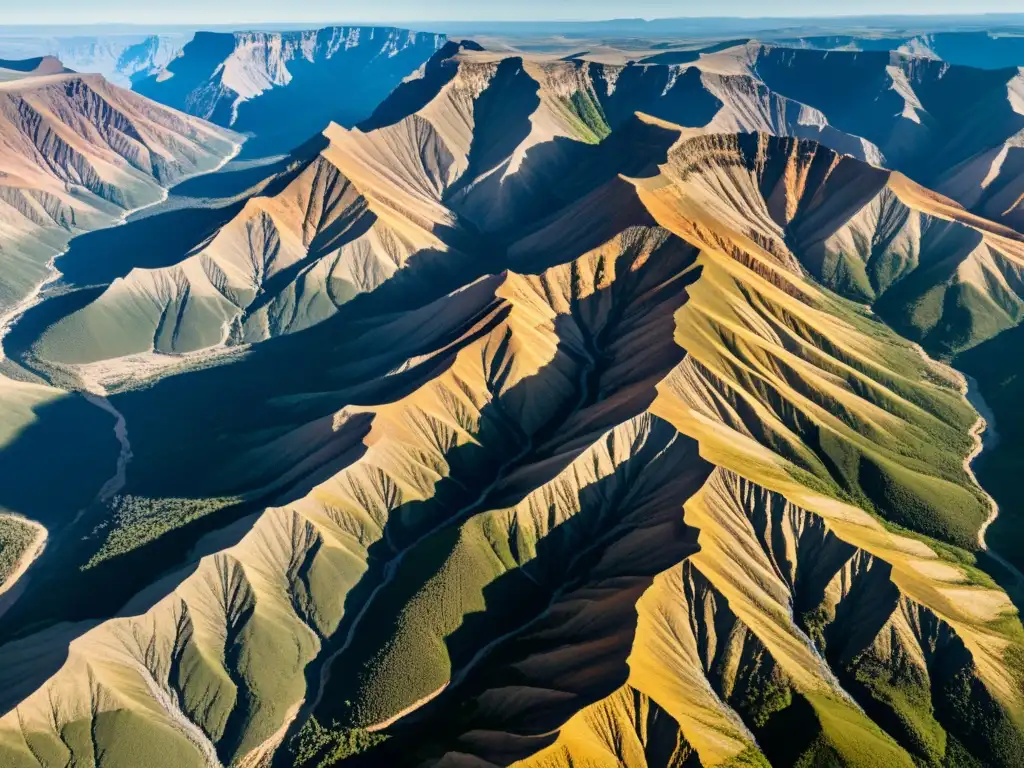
<point x="519" y="393"/>
<point x="284" y="263"/>
<point x="516" y="127"/>
<point x="934" y="271"/>
<point x="474" y="149"/>
<point x="482" y="144"/>
<point x="746" y="601"/>
<point x="954" y="128"/>
<point x="644" y="493"/>
<point x="932" y="599"/>
<point x="76" y="153"/>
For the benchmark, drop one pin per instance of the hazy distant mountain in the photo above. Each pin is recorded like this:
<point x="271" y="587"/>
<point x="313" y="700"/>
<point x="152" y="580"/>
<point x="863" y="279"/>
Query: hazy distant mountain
<point x="286" y="86"/>
<point x="722" y="27"/>
<point x="41" y="65"/>
<point x="974" y="49"/>
<point x="118" y="57"/>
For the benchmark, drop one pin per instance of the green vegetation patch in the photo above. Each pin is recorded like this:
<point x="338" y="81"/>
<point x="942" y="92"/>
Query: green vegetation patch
<point x="910" y="474"/>
<point x="923" y="503"/>
<point x="902" y="704"/>
<point x="751" y="757"/>
<point x="850" y="738"/>
<point x="585" y="115"/>
<point x="403" y="655"/>
<point x="119" y="738"/>
<point x="16" y="536"/>
<point x="764" y="690"/>
<point x="316" y="746"/>
<point x="138" y="520"/>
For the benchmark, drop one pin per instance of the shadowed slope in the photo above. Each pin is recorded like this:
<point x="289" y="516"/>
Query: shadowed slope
<point x="610" y="478"/>
<point x="283" y="86"/>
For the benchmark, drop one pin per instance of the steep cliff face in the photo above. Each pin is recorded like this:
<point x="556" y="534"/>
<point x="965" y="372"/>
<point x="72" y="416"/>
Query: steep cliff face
<point x="954" y="128"/>
<point x="286" y="86"/>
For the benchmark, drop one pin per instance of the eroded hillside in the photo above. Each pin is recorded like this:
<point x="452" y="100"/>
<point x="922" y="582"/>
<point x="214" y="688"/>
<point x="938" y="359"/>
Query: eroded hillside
<point x="477" y="144"/>
<point x="474" y="148"/>
<point x="540" y="420"/>
<point x="565" y="452"/>
<point x="77" y="153"/>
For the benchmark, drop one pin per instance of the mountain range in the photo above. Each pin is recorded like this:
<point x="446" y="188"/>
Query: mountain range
<point x="77" y="153"/>
<point x="284" y="86"/>
<point x="538" y="411"/>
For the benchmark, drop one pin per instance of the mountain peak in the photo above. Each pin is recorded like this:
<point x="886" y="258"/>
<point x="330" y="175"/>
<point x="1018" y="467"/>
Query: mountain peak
<point x="42" y="65"/>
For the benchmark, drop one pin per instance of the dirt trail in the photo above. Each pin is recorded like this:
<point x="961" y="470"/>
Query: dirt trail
<point x="411" y="708"/>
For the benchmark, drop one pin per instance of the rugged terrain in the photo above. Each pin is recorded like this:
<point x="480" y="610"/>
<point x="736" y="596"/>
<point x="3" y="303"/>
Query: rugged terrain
<point x="286" y="86"/>
<point x="77" y="153"/>
<point x="288" y="262"/>
<point x="556" y="414"/>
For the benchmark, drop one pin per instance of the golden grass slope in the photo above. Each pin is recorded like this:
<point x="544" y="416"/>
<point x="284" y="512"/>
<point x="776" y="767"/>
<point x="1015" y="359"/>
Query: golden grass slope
<point x="282" y="264"/>
<point x="648" y="496"/>
<point x="933" y="270"/>
<point x="751" y="543"/>
<point x="474" y="393"/>
<point x="494" y="143"/>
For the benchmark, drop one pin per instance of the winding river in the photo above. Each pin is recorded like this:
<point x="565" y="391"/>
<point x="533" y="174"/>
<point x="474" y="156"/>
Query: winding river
<point x="12" y="588"/>
<point x="986" y="437"/>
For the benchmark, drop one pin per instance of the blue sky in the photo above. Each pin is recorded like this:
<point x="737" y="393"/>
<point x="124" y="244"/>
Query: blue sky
<point x="240" y="11"/>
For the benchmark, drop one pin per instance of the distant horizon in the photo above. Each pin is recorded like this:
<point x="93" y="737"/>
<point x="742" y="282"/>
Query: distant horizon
<point x="697" y="26"/>
<point x="242" y="12"/>
<point x="567" y="20"/>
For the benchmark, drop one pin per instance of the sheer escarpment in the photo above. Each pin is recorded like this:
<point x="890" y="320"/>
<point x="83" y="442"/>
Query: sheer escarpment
<point x="283" y="86"/>
<point x="549" y="428"/>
